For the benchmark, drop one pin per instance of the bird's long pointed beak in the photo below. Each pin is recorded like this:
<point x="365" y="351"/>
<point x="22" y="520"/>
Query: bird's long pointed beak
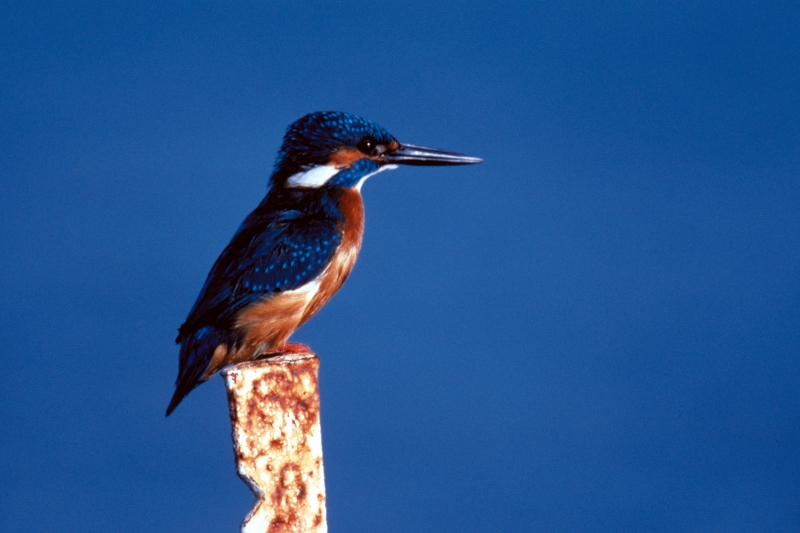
<point x="409" y="154"/>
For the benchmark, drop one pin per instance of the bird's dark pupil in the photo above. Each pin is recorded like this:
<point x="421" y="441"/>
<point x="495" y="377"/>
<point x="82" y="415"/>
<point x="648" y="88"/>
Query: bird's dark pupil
<point x="368" y="146"/>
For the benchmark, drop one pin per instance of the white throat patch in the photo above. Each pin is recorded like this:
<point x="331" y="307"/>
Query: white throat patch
<point x="313" y="177"/>
<point x="381" y="169"/>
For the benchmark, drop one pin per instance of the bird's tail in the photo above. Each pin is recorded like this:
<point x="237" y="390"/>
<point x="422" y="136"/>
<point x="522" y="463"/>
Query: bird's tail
<point x="197" y="349"/>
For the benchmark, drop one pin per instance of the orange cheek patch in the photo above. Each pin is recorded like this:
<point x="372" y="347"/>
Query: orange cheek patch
<point x="344" y="157"/>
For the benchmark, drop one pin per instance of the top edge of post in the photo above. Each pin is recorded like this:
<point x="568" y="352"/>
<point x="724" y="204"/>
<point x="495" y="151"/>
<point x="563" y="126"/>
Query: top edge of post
<point x="284" y="359"/>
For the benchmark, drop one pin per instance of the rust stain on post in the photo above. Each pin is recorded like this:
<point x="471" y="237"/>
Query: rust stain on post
<point x="277" y="441"/>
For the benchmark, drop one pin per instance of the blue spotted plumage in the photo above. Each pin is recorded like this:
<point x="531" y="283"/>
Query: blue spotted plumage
<point x="294" y="251"/>
<point x="277" y="248"/>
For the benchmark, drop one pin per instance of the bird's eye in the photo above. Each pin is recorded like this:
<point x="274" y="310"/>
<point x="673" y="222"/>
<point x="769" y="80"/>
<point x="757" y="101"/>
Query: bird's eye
<point x="369" y="146"/>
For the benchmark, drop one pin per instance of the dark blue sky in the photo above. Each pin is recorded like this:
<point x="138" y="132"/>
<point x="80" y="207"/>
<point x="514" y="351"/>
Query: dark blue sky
<point x="597" y="329"/>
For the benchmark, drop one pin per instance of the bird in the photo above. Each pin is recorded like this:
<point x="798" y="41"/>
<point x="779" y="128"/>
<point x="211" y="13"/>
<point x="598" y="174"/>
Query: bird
<point x="295" y="250"/>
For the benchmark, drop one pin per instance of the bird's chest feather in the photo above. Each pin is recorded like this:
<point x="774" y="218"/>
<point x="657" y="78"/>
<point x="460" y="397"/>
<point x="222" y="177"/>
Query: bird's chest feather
<point x="352" y="208"/>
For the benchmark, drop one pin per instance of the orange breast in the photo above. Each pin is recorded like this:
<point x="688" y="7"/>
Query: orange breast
<point x="331" y="280"/>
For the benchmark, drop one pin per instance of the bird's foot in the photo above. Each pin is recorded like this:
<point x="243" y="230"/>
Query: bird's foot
<point x="288" y="348"/>
<point x="295" y="347"/>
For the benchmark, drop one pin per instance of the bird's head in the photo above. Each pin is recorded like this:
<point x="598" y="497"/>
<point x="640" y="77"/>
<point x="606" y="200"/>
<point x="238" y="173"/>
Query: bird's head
<point x="334" y="149"/>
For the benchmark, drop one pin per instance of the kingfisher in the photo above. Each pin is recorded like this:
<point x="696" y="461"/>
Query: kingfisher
<point x="295" y="250"/>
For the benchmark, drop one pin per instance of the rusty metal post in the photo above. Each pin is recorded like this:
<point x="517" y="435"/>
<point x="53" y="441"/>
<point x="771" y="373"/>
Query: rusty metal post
<point x="277" y="442"/>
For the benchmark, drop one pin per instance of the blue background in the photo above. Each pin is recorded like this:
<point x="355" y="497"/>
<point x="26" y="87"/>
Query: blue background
<point x="595" y="330"/>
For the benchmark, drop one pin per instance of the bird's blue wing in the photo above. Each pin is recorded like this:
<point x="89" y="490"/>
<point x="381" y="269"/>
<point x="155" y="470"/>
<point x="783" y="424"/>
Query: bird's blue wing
<point x="274" y="250"/>
<point x="276" y="254"/>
